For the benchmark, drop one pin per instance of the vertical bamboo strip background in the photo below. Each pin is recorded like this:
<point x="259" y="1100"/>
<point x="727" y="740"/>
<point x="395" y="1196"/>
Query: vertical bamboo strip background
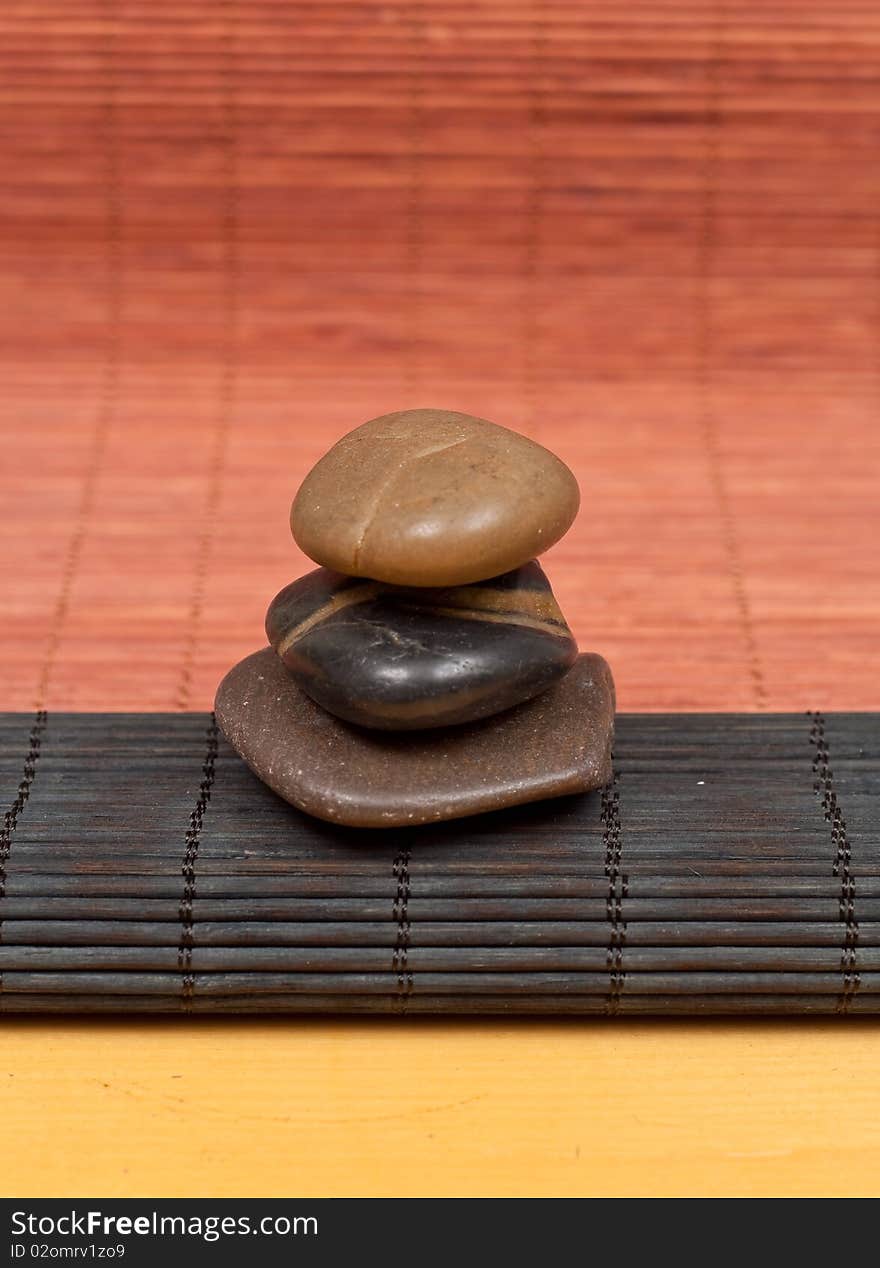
<point x="648" y="235"/>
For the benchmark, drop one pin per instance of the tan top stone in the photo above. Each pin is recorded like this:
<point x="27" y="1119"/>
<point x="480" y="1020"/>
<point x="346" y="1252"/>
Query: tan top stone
<point x="427" y="497"/>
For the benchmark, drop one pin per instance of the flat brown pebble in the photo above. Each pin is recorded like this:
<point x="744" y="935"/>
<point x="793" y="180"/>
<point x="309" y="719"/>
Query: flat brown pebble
<point x="427" y="497"/>
<point x="556" y="744"/>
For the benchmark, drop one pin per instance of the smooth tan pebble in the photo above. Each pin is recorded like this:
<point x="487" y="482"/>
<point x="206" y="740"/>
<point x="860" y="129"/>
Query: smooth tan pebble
<point x="428" y="497"/>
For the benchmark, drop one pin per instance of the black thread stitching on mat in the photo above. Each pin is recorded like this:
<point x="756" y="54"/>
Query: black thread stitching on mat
<point x="188" y="867"/>
<point x="400" y="911"/>
<point x="230" y="315"/>
<point x="823" y="787"/>
<point x="618" y="889"/>
<point x="108" y="391"/>
<point x="707" y="420"/>
<point x="534" y="212"/>
<point x="415" y="229"/>
<point x="13" y="814"/>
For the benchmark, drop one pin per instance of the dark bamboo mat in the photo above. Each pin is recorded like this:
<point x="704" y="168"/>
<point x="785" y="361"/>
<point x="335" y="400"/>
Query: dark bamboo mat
<point x="733" y="866"/>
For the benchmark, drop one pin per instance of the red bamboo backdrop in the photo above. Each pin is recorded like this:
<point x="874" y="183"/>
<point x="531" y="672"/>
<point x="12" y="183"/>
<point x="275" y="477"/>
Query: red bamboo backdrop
<point x="647" y="235"/>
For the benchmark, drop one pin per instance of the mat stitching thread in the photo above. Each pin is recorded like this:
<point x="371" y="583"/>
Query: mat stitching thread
<point x="229" y="370"/>
<point x="823" y="787"/>
<point x="533" y="216"/>
<point x="618" y="889"/>
<point x="13" y="814"/>
<point x="415" y="230"/>
<point x="108" y="393"/>
<point x="707" y="421"/>
<point x="400" y="913"/>
<point x="188" y="867"/>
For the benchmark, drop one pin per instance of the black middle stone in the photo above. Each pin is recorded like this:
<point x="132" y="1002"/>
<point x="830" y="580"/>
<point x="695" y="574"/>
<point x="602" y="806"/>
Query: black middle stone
<point x="400" y="658"/>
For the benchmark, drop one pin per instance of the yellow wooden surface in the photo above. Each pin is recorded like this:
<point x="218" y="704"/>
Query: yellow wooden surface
<point x="375" y="1108"/>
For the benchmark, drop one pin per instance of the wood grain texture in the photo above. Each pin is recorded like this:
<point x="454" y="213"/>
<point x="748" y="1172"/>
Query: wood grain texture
<point x="646" y="235"/>
<point x="515" y="1107"/>
<point x="731" y="866"/>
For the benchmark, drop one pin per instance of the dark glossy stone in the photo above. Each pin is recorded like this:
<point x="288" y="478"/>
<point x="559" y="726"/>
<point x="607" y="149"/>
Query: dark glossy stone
<point x="558" y="743"/>
<point x="406" y="659"/>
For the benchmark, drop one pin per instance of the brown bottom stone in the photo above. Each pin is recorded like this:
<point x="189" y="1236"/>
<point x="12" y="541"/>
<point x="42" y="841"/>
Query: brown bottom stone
<point x="556" y="744"/>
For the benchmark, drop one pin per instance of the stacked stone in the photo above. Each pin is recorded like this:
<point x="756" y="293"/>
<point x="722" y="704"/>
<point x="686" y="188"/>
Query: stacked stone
<point x="424" y="671"/>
